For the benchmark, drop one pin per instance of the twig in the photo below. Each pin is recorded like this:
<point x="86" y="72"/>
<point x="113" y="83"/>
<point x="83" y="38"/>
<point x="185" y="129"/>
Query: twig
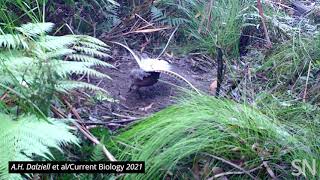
<point x="99" y="82"/>
<point x="124" y="121"/>
<point x="306" y="86"/>
<point x="263" y="20"/>
<point x="4" y="95"/>
<point x="236" y="172"/>
<point x="209" y="17"/>
<point x="83" y="130"/>
<point x="231" y="164"/>
<point x="58" y="112"/>
<point x="133" y="26"/>
<point x="110" y="124"/>
<point x="124" y="116"/>
<point x="149" y="24"/>
<point x="282" y="5"/>
<point x="269" y="170"/>
<point x="171" y="36"/>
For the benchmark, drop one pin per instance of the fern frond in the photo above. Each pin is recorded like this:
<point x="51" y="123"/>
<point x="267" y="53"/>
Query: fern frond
<point x="177" y="21"/>
<point x="66" y="86"/>
<point x="68" y="67"/>
<point x="33" y="29"/>
<point x="53" y="43"/>
<point x="97" y="154"/>
<point x="91" y="51"/>
<point x="85" y="38"/>
<point x="13" y="41"/>
<point x="60" y="53"/>
<point x="94" y="46"/>
<point x="157" y="14"/>
<point x="85" y="58"/>
<point x="160" y="17"/>
<point x="27" y="136"/>
<point x="17" y="65"/>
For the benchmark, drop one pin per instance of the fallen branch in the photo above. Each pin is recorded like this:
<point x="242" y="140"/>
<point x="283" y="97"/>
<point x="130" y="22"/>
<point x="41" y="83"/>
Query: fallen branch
<point x="269" y="170"/>
<point x="83" y="130"/>
<point x="263" y="20"/>
<point x="124" y="116"/>
<point x="235" y="173"/>
<point x="231" y="164"/>
<point x="306" y="85"/>
<point x="4" y="95"/>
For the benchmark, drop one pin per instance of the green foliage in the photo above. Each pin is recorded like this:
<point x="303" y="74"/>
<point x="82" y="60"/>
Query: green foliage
<point x="15" y="12"/>
<point x="172" y="139"/>
<point x="26" y="137"/>
<point x="161" y="17"/>
<point x="301" y="118"/>
<point x="77" y="16"/>
<point x="89" y="152"/>
<point x="38" y="65"/>
<point x="208" y="25"/>
<point x="292" y="66"/>
<point x="34" y="69"/>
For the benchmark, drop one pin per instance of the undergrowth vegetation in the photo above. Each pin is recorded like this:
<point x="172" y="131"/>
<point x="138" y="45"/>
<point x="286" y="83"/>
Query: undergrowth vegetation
<point x="35" y="70"/>
<point x="208" y="133"/>
<point x="268" y="116"/>
<point x="206" y="25"/>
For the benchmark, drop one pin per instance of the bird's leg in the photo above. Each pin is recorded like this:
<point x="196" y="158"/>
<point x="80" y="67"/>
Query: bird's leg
<point x="139" y="93"/>
<point x="135" y="88"/>
<point x="131" y="88"/>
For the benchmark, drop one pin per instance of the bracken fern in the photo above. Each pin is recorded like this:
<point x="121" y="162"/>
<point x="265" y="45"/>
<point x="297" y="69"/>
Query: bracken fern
<point x="27" y="137"/>
<point x="34" y="69"/>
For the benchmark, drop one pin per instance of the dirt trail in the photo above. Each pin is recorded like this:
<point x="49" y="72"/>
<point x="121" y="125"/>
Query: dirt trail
<point x="195" y="69"/>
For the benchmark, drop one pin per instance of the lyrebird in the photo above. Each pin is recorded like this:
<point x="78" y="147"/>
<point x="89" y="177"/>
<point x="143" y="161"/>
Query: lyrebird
<point x="149" y="71"/>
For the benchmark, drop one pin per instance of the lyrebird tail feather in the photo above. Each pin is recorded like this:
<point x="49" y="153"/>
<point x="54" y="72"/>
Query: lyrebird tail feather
<point x="178" y="76"/>
<point x="150" y="64"/>
<point x="171" y="36"/>
<point x="147" y="64"/>
<point x="156" y="65"/>
<point x="135" y="56"/>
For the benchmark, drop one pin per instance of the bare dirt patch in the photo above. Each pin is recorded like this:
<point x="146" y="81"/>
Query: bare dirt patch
<point x="197" y="69"/>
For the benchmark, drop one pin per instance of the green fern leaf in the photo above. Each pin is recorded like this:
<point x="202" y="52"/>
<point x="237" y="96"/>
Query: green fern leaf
<point x="66" y="86"/>
<point x="27" y="136"/>
<point x="91" y="51"/>
<point x="68" y="67"/>
<point x="59" y="53"/>
<point x="33" y="29"/>
<point x="85" y="58"/>
<point x="53" y="43"/>
<point x="13" y="41"/>
<point x="85" y="38"/>
<point x="93" y="46"/>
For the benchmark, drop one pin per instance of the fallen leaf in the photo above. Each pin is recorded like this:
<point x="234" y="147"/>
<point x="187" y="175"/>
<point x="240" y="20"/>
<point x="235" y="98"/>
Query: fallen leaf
<point x="150" y="30"/>
<point x="213" y="86"/>
<point x="146" y="108"/>
<point x="197" y="15"/>
<point x="236" y="149"/>
<point x="217" y="170"/>
<point x="169" y="54"/>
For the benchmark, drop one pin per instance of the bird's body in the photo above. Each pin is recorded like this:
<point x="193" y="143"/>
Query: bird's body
<point x="141" y="78"/>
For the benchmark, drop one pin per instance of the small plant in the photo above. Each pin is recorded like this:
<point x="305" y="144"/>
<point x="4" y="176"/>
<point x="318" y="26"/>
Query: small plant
<point x="35" y="69"/>
<point x="208" y="25"/>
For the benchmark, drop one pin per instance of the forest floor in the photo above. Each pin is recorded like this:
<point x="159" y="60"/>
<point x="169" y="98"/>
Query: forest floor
<point x="196" y="68"/>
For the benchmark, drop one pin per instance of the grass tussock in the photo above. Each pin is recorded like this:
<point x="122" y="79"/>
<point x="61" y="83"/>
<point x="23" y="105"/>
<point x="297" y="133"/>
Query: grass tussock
<point x="186" y="135"/>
